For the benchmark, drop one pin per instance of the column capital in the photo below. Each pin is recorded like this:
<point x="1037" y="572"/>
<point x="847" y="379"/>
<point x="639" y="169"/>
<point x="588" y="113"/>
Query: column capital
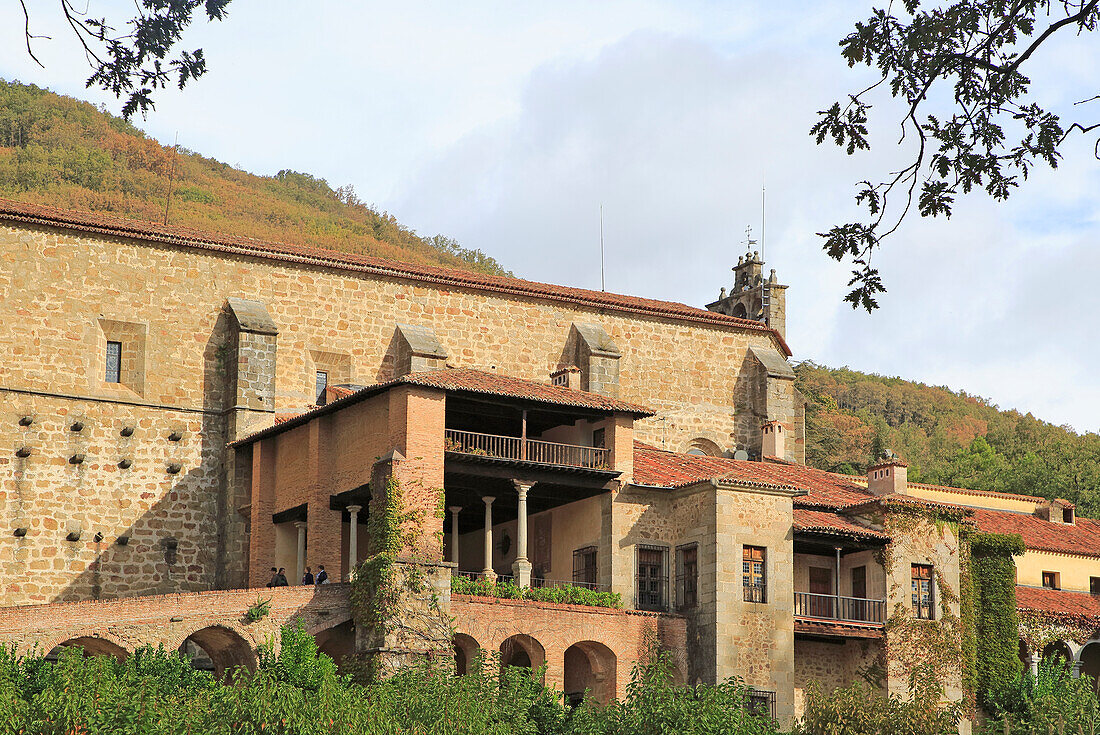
<point x="456" y="509"/>
<point x="354" y="508"/>
<point x="300" y="525"/>
<point x="522" y="487"/>
<point x="487" y="499"/>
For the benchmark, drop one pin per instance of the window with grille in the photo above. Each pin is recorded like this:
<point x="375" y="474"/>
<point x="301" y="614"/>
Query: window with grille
<point x="761" y="702"/>
<point x="584" y="567"/>
<point x="652" y="578"/>
<point x="687" y="576"/>
<point x="754" y="574"/>
<point x="322" y="387"/>
<point x="114" y="362"/>
<point x="923" y="591"/>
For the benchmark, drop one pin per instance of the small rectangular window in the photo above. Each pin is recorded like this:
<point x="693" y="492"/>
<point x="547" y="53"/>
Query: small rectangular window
<point x="584" y="567"/>
<point x="754" y="574"/>
<point x="1051" y="580"/>
<point x="761" y="702"/>
<point x="652" y="577"/>
<point x="1094" y="585"/>
<point x="687" y="576"/>
<point x="322" y="387"/>
<point x="923" y="591"/>
<point x="1067" y="515"/>
<point x="114" y="362"/>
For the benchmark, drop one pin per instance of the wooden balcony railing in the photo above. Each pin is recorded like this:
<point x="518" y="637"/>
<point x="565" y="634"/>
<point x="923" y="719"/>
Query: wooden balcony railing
<point x="831" y="607"/>
<point x="530" y="450"/>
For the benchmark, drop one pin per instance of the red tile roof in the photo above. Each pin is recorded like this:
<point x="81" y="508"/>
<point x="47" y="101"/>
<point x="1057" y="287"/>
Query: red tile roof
<point x="173" y="234"/>
<point x="1062" y="602"/>
<point x="980" y="493"/>
<point x="661" y="468"/>
<point x="464" y="380"/>
<point x="1080" y="539"/>
<point x="832" y="524"/>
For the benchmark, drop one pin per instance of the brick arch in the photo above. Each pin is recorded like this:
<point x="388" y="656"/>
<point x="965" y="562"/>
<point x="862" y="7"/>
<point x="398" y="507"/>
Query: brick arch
<point x="226" y="647"/>
<point x="589" y="666"/>
<point x="466" y="649"/>
<point x="1088" y="659"/>
<point x="324" y="624"/>
<point x="1058" y="649"/>
<point x="522" y="650"/>
<point x="94" y="644"/>
<point x="337" y="641"/>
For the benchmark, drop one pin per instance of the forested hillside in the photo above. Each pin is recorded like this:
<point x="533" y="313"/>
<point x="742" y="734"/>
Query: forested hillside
<point x="66" y="153"/>
<point x="947" y="437"/>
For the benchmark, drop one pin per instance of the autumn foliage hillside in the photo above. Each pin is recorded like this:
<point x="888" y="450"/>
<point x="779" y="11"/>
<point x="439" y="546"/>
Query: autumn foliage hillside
<point x="947" y="437"/>
<point x="66" y="153"/>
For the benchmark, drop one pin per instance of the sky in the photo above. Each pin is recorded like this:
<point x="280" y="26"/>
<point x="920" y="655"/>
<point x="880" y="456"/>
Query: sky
<point x="506" y="125"/>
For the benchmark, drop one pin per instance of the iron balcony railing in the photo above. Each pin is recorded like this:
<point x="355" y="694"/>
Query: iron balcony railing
<point x="832" y="607"/>
<point x="530" y="450"/>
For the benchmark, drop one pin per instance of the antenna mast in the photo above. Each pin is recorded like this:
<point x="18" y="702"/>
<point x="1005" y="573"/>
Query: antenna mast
<point x="603" y="283"/>
<point x="763" y="221"/>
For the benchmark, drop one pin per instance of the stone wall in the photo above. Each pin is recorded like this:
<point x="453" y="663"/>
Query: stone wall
<point x="66" y="292"/>
<point x="832" y="664"/>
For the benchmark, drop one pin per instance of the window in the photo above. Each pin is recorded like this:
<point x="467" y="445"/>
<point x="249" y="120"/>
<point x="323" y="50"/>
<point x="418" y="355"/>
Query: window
<point x="754" y="575"/>
<point x="1094" y="585"/>
<point x="859" y="582"/>
<point x="598" y="438"/>
<point x="1067" y="515"/>
<point x="923" y="591"/>
<point x="114" y="362"/>
<point x="687" y="576"/>
<point x="652" y="581"/>
<point x="322" y="387"/>
<point x="761" y="702"/>
<point x="1051" y="580"/>
<point x="584" y="567"/>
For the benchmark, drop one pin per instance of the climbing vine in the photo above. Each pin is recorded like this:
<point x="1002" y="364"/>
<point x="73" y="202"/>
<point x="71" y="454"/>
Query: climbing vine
<point x="996" y="625"/>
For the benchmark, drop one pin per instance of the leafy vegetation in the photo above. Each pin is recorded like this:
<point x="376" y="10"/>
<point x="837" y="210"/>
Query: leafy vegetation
<point x="570" y="594"/>
<point x="947" y="437"/>
<point x="998" y="664"/>
<point x="297" y="691"/>
<point x="65" y="153"/>
<point x="1051" y="701"/>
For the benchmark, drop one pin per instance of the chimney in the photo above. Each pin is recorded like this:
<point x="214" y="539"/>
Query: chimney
<point x="567" y="376"/>
<point x="774" y="444"/>
<point x="888" y="475"/>
<point x="1058" y="511"/>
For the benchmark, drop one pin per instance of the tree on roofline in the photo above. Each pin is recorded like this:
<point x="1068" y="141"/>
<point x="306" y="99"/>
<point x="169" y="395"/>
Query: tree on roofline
<point x="969" y="113"/>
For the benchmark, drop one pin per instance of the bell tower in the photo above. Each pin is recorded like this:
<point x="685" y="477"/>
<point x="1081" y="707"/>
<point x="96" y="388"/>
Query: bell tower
<point x="753" y="296"/>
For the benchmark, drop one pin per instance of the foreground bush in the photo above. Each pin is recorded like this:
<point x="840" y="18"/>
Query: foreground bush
<point x="860" y="709"/>
<point x="1052" y="701"/>
<point x="297" y="691"/>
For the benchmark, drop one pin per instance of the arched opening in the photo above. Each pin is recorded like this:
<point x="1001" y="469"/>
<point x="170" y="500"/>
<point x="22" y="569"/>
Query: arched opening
<point x="522" y="651"/>
<point x="1057" y="650"/>
<point x="703" y="447"/>
<point x="1024" y="653"/>
<point x="739" y="311"/>
<point x="1090" y="661"/>
<point x="466" y="650"/>
<point x="337" y="642"/>
<point x="589" y="667"/>
<point x="218" y="650"/>
<point x="92" y="646"/>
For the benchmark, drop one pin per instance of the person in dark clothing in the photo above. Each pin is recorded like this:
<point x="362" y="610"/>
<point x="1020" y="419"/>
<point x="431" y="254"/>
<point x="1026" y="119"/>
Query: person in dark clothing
<point x="280" y="578"/>
<point x="322" y="575"/>
<point x="274" y="578"/>
<point x="307" y="578"/>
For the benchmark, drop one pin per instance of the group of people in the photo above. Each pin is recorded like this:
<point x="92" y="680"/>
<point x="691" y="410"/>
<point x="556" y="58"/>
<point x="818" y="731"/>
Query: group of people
<point x="278" y="576"/>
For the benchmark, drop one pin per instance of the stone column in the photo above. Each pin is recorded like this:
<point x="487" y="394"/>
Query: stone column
<point x="488" y="570"/>
<point x="521" y="567"/>
<point x="353" y="539"/>
<point x="301" y="526"/>
<point x="455" y="510"/>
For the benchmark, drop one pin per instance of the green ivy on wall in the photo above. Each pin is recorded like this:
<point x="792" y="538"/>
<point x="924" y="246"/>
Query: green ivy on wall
<point x="996" y="625"/>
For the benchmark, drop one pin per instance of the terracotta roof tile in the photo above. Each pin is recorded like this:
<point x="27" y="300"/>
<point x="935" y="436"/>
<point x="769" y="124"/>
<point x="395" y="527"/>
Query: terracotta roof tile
<point x="1062" y="602"/>
<point x="658" y="467"/>
<point x="1080" y="539"/>
<point x="463" y="380"/>
<point x="980" y="493"/>
<point x="174" y="234"/>
<point x="817" y="521"/>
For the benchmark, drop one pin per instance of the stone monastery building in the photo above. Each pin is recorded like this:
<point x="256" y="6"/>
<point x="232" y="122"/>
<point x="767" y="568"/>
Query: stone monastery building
<point x="180" y="412"/>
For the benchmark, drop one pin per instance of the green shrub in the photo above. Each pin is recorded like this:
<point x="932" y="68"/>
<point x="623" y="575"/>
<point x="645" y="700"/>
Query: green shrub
<point x="506" y="589"/>
<point x="1052" y="701"/>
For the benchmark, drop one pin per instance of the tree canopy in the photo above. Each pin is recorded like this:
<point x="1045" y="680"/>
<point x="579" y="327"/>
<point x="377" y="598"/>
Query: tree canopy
<point x="969" y="112"/>
<point x="139" y="56"/>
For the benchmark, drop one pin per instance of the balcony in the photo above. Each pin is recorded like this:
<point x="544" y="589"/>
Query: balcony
<point x="495" y="446"/>
<point x="840" y="609"/>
